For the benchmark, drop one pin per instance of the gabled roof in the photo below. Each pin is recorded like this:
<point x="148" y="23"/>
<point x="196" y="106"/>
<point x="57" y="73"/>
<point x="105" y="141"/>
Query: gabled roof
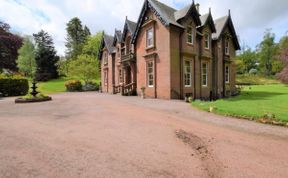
<point x="165" y="13"/>
<point x="186" y="11"/>
<point x="117" y="37"/>
<point x="220" y="25"/>
<point x="107" y="41"/>
<point x="128" y="26"/>
<point x="207" y="18"/>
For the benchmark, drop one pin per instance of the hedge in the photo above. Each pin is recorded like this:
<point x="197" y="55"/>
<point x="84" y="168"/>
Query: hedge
<point x="13" y="86"/>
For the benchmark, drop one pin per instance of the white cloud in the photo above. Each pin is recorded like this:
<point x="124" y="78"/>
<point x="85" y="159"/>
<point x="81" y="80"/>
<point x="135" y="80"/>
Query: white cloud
<point x="29" y="16"/>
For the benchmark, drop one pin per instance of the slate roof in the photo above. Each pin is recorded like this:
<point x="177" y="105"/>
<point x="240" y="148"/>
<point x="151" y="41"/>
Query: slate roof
<point x="131" y="26"/>
<point x="118" y="35"/>
<point x="219" y="24"/>
<point x="182" y="12"/>
<point x="166" y="12"/>
<point x="204" y="18"/>
<point x="108" y="40"/>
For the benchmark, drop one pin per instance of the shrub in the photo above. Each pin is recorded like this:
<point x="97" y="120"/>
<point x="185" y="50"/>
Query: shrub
<point x="73" y="85"/>
<point x="91" y="86"/>
<point x="13" y="86"/>
<point x="253" y="71"/>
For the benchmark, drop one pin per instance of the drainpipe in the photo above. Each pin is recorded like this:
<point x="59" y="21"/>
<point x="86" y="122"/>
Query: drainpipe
<point x="181" y="65"/>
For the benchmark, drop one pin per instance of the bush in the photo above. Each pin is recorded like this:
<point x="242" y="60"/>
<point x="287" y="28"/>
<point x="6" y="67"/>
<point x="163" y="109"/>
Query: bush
<point x="13" y="86"/>
<point x="90" y="86"/>
<point x="73" y="85"/>
<point x="253" y="71"/>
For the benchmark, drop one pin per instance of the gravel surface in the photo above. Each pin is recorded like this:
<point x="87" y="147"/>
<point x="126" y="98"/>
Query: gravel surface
<point x="101" y="135"/>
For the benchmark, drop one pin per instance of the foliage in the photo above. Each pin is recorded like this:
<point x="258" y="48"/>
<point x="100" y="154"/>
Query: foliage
<point x="26" y="60"/>
<point x="253" y="71"/>
<point x="63" y="67"/>
<point x="267" y="50"/>
<point x="283" y="56"/>
<point x="76" y="38"/>
<point x="13" y="85"/>
<point x="248" y="79"/>
<point x="255" y="102"/>
<point x="283" y="76"/>
<point x="38" y="96"/>
<point x="73" y="85"/>
<point x="92" y="45"/>
<point x="45" y="56"/>
<point x="9" y="45"/>
<point x="91" y="86"/>
<point x="85" y="67"/>
<point x="246" y="60"/>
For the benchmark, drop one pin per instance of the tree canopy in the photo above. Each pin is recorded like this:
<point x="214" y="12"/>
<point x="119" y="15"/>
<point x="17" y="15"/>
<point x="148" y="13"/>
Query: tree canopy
<point x="9" y="45"/>
<point x="46" y="58"/>
<point x="76" y="38"/>
<point x="26" y="60"/>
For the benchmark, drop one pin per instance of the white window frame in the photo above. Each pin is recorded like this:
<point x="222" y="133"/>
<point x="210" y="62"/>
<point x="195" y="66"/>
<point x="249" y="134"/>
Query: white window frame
<point x="190" y="36"/>
<point x="186" y="73"/>
<point x="227" y="74"/>
<point x="151" y="29"/>
<point x="150" y="74"/>
<point x="204" y="75"/>
<point x="207" y="40"/>
<point x="227" y="47"/>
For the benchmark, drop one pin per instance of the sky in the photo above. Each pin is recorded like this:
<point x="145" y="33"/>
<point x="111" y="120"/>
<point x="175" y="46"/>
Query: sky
<point x="250" y="17"/>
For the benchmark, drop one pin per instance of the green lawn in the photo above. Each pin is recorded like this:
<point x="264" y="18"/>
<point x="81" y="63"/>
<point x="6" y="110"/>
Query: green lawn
<point x="52" y="86"/>
<point x="254" y="102"/>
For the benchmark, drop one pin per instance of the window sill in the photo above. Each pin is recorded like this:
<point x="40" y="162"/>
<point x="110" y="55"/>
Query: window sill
<point x="151" y="47"/>
<point x="190" y="44"/>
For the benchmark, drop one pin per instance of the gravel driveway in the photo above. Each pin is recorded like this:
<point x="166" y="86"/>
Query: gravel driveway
<point x="101" y="135"/>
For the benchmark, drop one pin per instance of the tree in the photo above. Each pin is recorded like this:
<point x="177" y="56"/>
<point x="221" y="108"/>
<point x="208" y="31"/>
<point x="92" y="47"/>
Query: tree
<point x="92" y="45"/>
<point x="9" y="45"/>
<point x="283" y="56"/>
<point x="267" y="52"/>
<point x="76" y="37"/>
<point x="46" y="58"/>
<point x="246" y="60"/>
<point x="84" y="67"/>
<point x="26" y="60"/>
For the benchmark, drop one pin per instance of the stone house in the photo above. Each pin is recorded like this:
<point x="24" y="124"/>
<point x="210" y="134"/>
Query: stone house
<point x="172" y="54"/>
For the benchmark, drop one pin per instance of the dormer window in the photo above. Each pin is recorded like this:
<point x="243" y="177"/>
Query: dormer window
<point x="227" y="50"/>
<point x="207" y="41"/>
<point x="190" y="38"/>
<point x="150" y="38"/>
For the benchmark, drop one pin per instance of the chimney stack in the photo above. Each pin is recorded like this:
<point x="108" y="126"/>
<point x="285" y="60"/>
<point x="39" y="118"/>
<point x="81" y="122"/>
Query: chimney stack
<point x="198" y="7"/>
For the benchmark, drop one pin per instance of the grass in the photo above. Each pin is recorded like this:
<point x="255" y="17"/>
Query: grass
<point x="255" y="102"/>
<point x="55" y="86"/>
<point x="248" y="79"/>
<point x="52" y="86"/>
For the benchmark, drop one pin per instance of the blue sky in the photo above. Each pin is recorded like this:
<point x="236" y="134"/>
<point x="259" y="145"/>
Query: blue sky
<point x="251" y="18"/>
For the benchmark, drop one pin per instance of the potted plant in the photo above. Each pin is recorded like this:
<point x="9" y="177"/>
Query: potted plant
<point x="143" y="96"/>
